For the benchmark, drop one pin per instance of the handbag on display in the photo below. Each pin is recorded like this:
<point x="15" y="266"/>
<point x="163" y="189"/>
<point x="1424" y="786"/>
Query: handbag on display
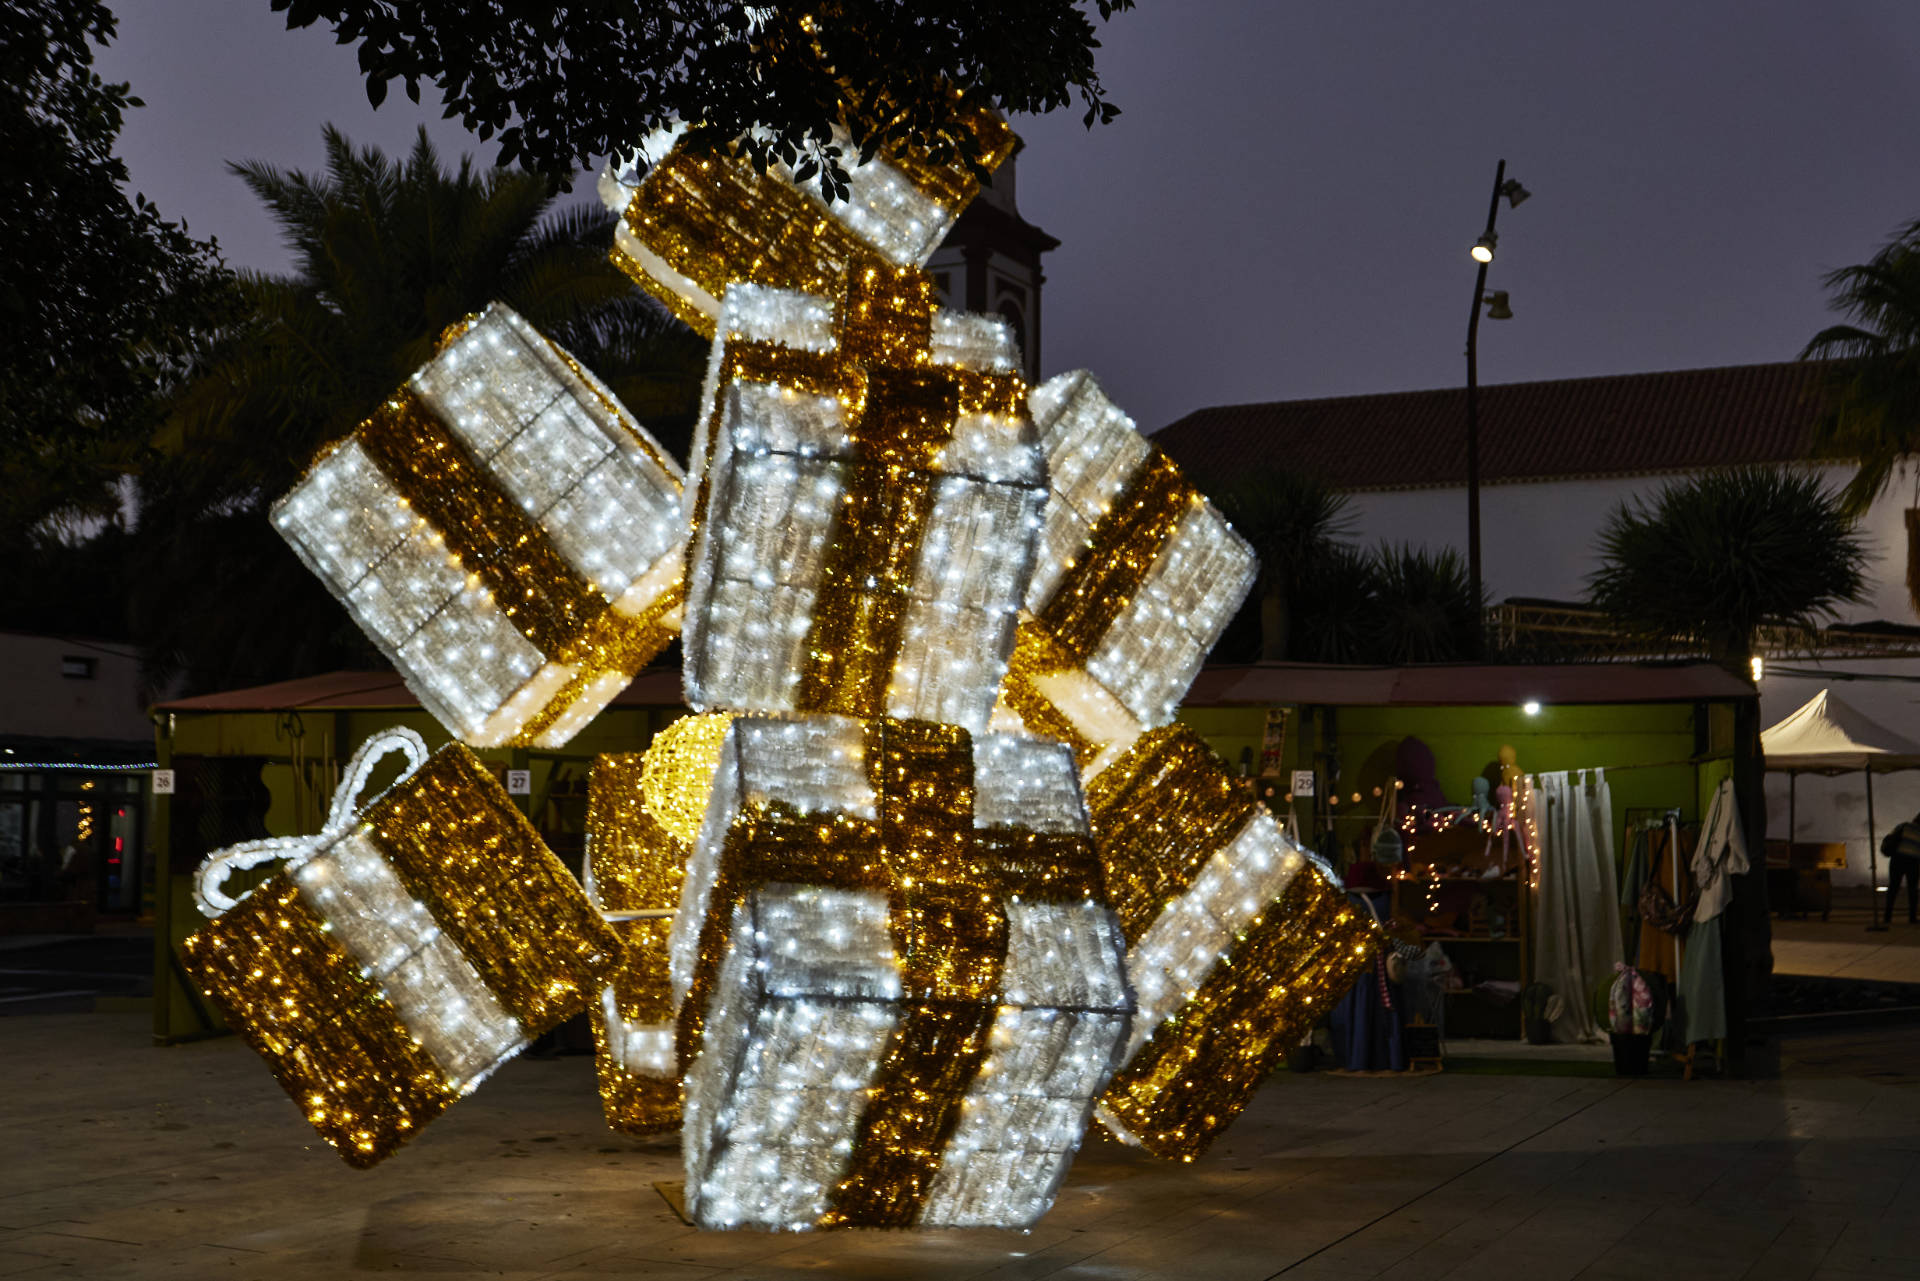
<point x="1657" y="908"/>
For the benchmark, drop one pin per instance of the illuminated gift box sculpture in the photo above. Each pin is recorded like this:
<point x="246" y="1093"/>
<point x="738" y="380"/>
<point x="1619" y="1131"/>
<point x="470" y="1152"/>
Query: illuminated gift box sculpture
<point x="695" y="226"/>
<point x="864" y="485"/>
<point x="866" y="511"/>
<point x="643" y="812"/>
<point x="1137" y="577"/>
<point x="403" y="953"/>
<point x="1236" y="941"/>
<point x="505" y="532"/>
<point x="902" y="986"/>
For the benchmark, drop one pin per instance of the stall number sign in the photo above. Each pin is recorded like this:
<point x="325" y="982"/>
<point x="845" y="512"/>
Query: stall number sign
<point x="1303" y="782"/>
<point x="163" y="782"/>
<point x="519" y="782"/>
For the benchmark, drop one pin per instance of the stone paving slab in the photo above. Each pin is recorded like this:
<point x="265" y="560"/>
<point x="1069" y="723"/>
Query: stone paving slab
<point x="121" y="1160"/>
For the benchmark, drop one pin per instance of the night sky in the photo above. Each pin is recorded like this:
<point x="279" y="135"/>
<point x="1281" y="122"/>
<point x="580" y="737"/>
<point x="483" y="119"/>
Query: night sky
<point x="1283" y="210"/>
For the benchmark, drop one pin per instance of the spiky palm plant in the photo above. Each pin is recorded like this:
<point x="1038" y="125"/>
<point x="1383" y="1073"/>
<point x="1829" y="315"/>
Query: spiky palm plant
<point x="1874" y="413"/>
<point x="1713" y="558"/>
<point x="1293" y="522"/>
<point x="1423" y="609"/>
<point x="387" y="254"/>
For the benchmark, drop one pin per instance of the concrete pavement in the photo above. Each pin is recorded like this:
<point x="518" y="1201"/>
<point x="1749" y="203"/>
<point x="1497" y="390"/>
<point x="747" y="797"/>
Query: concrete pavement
<point x="120" y="1160"/>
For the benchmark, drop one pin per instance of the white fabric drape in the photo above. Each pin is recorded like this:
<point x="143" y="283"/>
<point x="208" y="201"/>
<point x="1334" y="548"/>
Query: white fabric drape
<point x="1577" y="910"/>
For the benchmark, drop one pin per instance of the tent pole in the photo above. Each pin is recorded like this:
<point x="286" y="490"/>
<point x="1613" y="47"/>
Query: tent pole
<point x="1793" y="783"/>
<point x="1873" y="865"/>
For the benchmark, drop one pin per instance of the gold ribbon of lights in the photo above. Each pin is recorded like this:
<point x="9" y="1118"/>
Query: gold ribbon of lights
<point x="946" y="886"/>
<point x="567" y="618"/>
<point x="278" y="973"/>
<point x="1159" y="814"/>
<point x="900" y="411"/>
<point x="1120" y="551"/>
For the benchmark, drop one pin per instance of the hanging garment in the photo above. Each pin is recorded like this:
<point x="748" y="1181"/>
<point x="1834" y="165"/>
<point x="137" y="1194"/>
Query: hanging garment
<point x="1720" y="856"/>
<point x="1632" y="877"/>
<point x="1577" y="928"/>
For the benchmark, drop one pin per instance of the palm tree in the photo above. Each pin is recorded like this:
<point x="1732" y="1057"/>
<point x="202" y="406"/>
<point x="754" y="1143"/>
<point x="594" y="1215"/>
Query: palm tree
<point x="1874" y="416"/>
<point x="1713" y="559"/>
<point x="387" y="255"/>
<point x="1293" y="522"/>
<point x="1423" y="608"/>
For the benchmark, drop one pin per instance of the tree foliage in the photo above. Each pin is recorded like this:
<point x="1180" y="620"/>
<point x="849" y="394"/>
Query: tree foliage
<point x="1322" y="599"/>
<point x="1875" y="413"/>
<point x="101" y="298"/>
<point x="1714" y="558"/>
<point x="568" y="84"/>
<point x="387" y="254"/>
<point x="1292" y="521"/>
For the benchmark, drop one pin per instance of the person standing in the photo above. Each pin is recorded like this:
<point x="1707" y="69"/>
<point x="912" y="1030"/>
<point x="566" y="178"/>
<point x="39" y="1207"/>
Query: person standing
<point x="1902" y="848"/>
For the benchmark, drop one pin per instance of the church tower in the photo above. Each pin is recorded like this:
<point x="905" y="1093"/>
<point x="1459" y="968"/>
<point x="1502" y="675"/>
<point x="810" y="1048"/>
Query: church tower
<point x="990" y="261"/>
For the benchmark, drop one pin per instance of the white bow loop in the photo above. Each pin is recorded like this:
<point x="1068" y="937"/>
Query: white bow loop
<point x="212" y="873"/>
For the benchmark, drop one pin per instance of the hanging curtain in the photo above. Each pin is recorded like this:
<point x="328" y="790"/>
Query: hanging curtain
<point x="1577" y="916"/>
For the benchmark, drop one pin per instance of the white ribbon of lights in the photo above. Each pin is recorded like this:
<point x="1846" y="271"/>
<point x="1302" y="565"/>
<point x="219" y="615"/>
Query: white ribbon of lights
<point x="208" y="893"/>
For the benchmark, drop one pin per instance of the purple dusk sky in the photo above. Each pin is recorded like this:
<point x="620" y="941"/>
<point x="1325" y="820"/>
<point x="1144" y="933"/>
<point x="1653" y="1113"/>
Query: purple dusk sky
<point x="1284" y="208"/>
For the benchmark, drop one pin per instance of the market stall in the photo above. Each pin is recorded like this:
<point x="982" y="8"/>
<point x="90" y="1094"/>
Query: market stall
<point x="1827" y="736"/>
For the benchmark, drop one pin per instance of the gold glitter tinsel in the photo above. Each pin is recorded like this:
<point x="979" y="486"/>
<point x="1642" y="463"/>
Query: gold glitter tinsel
<point x="677" y="775"/>
<point x="1159" y="814"/>
<point x="1200" y="1068"/>
<point x="1120" y="552"/>
<point x="279" y="972"/>
<point x="946" y="887"/>
<point x="636" y="864"/>
<point x="717" y="222"/>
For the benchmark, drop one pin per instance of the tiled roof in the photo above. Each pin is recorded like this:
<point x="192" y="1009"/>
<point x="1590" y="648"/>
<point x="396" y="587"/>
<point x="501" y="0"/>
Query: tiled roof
<point x="1628" y="424"/>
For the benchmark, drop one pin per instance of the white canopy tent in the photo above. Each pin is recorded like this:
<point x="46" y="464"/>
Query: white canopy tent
<point x="1830" y="736"/>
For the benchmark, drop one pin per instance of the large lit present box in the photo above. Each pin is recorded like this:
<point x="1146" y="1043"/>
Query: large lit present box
<point x="902" y="984"/>
<point x="504" y="531"/>
<point x="865" y="504"/>
<point x="1237" y="942"/>
<point x="402" y="954"/>
<point x="1137" y="576"/>
<point x="694" y="226"/>
<point x="643" y="813"/>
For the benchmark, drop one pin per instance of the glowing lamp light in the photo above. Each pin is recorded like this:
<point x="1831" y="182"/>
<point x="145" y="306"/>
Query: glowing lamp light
<point x="1759" y="667"/>
<point x="1482" y="250"/>
<point x="1531" y="707"/>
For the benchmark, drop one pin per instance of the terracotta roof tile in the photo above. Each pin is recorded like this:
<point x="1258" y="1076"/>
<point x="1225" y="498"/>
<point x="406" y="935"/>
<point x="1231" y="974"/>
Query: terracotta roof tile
<point x="1627" y="424"/>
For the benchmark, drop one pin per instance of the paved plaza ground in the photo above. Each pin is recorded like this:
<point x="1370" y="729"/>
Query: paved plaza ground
<point x="124" y="1160"/>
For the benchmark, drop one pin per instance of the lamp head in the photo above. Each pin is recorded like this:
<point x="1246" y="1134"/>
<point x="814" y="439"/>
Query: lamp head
<point x="1514" y="192"/>
<point x="1482" y="250"/>
<point x="1497" y="308"/>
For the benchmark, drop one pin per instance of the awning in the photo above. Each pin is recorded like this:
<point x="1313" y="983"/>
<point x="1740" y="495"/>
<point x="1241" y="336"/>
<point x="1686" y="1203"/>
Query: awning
<point x="1829" y="736"/>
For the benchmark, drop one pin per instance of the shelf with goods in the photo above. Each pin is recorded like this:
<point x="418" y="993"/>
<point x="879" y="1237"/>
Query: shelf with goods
<point x="1466" y="889"/>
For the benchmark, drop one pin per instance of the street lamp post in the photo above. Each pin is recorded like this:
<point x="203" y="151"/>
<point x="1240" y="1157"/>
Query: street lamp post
<point x="1483" y="254"/>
